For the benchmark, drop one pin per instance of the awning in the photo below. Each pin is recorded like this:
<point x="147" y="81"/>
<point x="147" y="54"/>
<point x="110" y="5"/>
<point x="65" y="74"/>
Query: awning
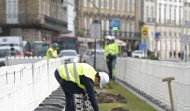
<point x="120" y="42"/>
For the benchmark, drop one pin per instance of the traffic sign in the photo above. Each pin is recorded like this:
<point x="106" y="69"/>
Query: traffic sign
<point x="95" y="30"/>
<point x="157" y="35"/>
<point x="142" y="46"/>
<point x="114" y="24"/>
<point x="144" y="33"/>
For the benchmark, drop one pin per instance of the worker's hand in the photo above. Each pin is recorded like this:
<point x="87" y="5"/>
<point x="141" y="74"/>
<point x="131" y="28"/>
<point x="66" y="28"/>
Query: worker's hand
<point x="107" y="60"/>
<point x="85" y="97"/>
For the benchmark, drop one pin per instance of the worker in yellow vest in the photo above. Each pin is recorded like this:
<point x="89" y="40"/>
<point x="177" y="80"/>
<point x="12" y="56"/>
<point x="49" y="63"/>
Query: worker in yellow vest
<point x="80" y="78"/>
<point x="108" y="54"/>
<point x="116" y="49"/>
<point x="52" y="52"/>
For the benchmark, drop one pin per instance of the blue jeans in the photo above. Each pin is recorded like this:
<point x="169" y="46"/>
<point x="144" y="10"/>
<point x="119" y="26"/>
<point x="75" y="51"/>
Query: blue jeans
<point x="69" y="88"/>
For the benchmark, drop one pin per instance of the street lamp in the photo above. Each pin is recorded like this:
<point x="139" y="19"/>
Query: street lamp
<point x="100" y="21"/>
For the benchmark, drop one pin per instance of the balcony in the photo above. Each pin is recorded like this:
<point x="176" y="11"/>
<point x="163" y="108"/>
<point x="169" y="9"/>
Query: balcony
<point x="151" y="20"/>
<point x="32" y="21"/>
<point x="117" y="34"/>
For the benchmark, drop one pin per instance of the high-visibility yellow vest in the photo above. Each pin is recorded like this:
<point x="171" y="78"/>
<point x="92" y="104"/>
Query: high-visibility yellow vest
<point x="48" y="56"/>
<point x="109" y="49"/>
<point x="72" y="71"/>
<point x="116" y="48"/>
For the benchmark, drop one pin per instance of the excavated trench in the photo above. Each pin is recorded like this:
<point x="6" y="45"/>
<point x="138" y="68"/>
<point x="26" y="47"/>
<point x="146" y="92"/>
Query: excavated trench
<point x="110" y="98"/>
<point x="119" y="109"/>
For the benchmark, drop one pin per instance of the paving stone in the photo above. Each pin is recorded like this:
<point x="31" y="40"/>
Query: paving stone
<point x="48" y="108"/>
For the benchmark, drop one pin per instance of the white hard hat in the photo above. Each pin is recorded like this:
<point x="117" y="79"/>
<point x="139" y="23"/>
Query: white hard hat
<point x="113" y="37"/>
<point x="104" y="78"/>
<point x="108" y="37"/>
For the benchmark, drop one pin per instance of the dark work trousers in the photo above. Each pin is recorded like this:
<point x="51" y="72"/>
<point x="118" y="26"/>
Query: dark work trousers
<point x="69" y="88"/>
<point x="109" y="64"/>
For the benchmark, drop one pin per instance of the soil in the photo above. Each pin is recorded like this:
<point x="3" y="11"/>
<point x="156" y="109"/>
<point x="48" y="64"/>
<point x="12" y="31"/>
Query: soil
<point x="110" y="98"/>
<point x="119" y="109"/>
<point x="108" y="86"/>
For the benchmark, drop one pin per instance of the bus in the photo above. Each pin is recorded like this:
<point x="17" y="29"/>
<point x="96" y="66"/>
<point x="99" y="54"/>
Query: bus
<point x="67" y="43"/>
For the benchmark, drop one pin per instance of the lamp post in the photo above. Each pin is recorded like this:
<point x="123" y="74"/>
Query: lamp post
<point x="100" y="22"/>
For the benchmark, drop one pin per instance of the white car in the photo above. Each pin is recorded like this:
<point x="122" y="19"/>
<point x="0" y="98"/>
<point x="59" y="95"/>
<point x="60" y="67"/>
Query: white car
<point x="138" y="53"/>
<point x="69" y="55"/>
<point x="88" y="57"/>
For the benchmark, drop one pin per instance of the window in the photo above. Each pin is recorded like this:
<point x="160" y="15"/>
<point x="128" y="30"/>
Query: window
<point x="102" y="3"/>
<point x="179" y="15"/>
<point x="85" y="4"/>
<point x="170" y="13"/>
<point x="128" y="27"/>
<point x="133" y="5"/>
<point x="113" y="4"/>
<point x="147" y="11"/>
<point x="175" y="15"/>
<point x="118" y="4"/>
<point x="85" y="23"/>
<point x="165" y="14"/>
<point x="107" y="4"/>
<point x="160" y="14"/>
<point x="90" y="21"/>
<point x="128" y="5"/>
<point x="107" y="26"/>
<point x="85" y="26"/>
<point x="152" y="12"/>
<point x="123" y="26"/>
<point x="123" y="5"/>
<point x="12" y="11"/>
<point x="185" y="15"/>
<point x="97" y="3"/>
<point x="91" y="3"/>
<point x="102" y="24"/>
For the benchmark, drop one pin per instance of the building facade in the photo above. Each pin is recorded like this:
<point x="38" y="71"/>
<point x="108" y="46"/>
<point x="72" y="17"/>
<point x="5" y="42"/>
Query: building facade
<point x="69" y="16"/>
<point x="104" y="10"/>
<point x="32" y="19"/>
<point x="167" y="17"/>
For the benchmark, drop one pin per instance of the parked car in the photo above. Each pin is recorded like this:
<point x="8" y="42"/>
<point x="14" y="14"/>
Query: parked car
<point x="69" y="55"/>
<point x="138" y="53"/>
<point x="88" y="57"/>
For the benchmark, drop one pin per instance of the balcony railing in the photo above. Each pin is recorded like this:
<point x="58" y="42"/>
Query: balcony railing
<point x="31" y="20"/>
<point x="151" y="20"/>
<point x="117" y="34"/>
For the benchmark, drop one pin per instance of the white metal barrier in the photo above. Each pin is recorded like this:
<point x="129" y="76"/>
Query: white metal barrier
<point x="147" y="76"/>
<point x="23" y="87"/>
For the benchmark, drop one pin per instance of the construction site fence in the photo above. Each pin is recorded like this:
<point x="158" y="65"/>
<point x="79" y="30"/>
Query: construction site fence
<point x="147" y="75"/>
<point x="24" y="86"/>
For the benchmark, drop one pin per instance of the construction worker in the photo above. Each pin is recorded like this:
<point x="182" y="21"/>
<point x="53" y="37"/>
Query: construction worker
<point x="109" y="54"/>
<point x="80" y="78"/>
<point x="52" y="52"/>
<point x="116" y="49"/>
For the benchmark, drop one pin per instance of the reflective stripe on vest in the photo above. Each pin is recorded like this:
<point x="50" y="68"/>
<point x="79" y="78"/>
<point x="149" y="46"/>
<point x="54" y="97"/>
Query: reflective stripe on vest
<point x="73" y="71"/>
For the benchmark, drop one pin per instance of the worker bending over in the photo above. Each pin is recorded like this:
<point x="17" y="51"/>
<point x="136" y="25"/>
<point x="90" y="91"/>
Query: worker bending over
<point x="80" y="78"/>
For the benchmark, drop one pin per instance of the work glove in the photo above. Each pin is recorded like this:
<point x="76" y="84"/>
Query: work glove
<point x="85" y="98"/>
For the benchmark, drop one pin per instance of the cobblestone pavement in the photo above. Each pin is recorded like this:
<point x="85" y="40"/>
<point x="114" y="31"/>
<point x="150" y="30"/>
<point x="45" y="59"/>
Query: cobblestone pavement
<point x="55" y="102"/>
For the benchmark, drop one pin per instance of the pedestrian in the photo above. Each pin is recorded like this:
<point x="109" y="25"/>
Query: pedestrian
<point x="170" y="54"/>
<point x="52" y="52"/>
<point x="174" y="54"/>
<point x="80" y="78"/>
<point x="109" y="55"/>
<point x="116" y="49"/>
<point x="179" y="55"/>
